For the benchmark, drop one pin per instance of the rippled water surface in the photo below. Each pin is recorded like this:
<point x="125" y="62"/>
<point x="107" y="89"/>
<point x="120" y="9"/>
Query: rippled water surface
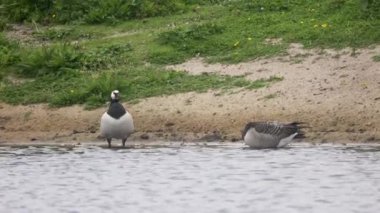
<point x="190" y="178"/>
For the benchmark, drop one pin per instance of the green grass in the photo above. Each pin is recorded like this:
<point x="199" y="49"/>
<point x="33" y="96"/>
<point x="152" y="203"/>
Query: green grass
<point x="81" y="63"/>
<point x="376" y="58"/>
<point x="94" y="90"/>
<point x="270" y="96"/>
<point x="65" y="33"/>
<point x="88" y="11"/>
<point x="52" y="60"/>
<point x="235" y="32"/>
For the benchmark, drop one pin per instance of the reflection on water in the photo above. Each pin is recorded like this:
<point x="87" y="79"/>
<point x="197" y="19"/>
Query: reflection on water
<point x="190" y="178"/>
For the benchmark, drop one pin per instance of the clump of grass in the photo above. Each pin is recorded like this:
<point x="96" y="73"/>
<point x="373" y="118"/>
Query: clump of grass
<point x="54" y="60"/>
<point x="376" y="58"/>
<point x="114" y="10"/>
<point x="261" y="6"/>
<point x="59" y="60"/>
<point x="39" y="90"/>
<point x="270" y="96"/>
<point x="106" y="57"/>
<point x="94" y="91"/>
<point x="183" y="38"/>
<point x="220" y="43"/>
<point x="9" y="54"/>
<point x="264" y="82"/>
<point x="185" y="42"/>
<point x="63" y="34"/>
<point x="7" y="51"/>
<point x="167" y="55"/>
<point x="3" y="23"/>
<point x="371" y="8"/>
<point x="88" y="11"/>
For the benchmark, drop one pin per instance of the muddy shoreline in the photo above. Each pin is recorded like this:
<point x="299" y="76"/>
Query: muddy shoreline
<point x="39" y="123"/>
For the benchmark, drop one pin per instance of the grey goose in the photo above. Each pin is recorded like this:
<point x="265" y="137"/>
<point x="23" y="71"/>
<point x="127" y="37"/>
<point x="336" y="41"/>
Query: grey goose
<point x="117" y="122"/>
<point x="263" y="135"/>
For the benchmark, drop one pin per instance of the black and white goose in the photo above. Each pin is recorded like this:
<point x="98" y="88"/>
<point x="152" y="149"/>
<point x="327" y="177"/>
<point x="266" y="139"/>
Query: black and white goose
<point x="116" y="122"/>
<point x="263" y="135"/>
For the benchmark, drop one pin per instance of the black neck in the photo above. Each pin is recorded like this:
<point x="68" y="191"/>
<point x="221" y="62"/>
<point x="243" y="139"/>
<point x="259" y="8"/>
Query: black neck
<point x="116" y="110"/>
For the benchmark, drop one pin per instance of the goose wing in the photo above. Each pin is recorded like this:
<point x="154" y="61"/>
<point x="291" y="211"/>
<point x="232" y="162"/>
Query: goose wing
<point x="274" y="129"/>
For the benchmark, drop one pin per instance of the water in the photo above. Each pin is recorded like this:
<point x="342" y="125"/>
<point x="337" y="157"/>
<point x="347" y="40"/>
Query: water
<point x="190" y="178"/>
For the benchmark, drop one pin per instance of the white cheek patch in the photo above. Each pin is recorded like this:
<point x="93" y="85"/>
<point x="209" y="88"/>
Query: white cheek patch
<point x="114" y="93"/>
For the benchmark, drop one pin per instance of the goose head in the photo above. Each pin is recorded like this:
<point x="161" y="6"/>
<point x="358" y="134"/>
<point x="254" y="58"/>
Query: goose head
<point x="115" y="95"/>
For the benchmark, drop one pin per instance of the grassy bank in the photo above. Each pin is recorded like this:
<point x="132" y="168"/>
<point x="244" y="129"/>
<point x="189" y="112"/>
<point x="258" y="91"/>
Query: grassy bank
<point x="78" y="58"/>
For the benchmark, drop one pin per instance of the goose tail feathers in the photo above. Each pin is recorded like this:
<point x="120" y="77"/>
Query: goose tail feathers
<point x="301" y="126"/>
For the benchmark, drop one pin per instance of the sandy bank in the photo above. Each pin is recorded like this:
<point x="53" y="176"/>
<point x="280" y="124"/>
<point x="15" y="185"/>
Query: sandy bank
<point x="336" y="92"/>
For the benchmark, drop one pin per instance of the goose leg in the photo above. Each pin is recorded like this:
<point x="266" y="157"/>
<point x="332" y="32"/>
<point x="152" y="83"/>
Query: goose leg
<point x="109" y="142"/>
<point x="124" y="140"/>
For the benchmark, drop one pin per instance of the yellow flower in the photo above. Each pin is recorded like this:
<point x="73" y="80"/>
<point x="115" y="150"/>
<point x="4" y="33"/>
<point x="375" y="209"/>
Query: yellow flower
<point x="236" y="43"/>
<point x="324" y="25"/>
